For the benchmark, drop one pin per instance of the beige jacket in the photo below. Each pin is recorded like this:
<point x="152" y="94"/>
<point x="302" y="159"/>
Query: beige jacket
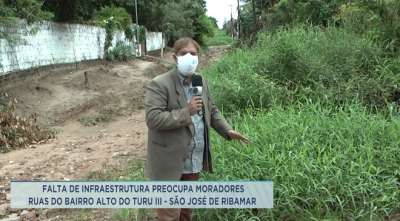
<point x="168" y="120"/>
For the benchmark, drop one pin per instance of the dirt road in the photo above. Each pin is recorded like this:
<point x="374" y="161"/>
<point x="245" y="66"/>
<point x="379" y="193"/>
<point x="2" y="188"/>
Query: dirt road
<point x="100" y="125"/>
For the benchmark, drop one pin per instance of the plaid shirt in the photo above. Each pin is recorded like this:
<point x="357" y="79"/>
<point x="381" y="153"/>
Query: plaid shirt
<point x="194" y="162"/>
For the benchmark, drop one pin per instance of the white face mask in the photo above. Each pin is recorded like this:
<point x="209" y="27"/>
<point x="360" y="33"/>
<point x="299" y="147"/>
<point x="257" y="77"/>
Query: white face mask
<point x="187" y="64"/>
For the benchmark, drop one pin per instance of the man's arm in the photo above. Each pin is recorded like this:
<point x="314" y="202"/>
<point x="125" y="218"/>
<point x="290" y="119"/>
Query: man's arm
<point x="157" y="117"/>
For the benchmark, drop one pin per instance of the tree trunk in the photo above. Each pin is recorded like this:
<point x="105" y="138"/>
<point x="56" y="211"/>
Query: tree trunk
<point x="254" y="12"/>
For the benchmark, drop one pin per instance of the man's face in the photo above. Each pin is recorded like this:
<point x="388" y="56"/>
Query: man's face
<point x="190" y="48"/>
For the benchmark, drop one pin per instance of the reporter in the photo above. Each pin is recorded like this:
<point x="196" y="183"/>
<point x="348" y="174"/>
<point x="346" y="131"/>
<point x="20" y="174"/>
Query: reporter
<point x="179" y="125"/>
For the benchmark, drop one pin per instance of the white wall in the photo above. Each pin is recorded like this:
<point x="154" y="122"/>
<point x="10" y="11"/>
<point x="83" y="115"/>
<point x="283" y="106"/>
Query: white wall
<point x="55" y="43"/>
<point x="154" y="41"/>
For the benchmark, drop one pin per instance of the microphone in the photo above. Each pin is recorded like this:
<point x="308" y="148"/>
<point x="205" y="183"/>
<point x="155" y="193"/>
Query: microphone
<point x="197" y="82"/>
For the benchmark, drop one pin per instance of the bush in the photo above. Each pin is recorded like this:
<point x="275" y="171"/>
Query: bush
<point x="19" y="131"/>
<point x="378" y="19"/>
<point x="330" y="65"/>
<point x="121" y="52"/>
<point x="316" y="12"/>
<point x="121" y="17"/>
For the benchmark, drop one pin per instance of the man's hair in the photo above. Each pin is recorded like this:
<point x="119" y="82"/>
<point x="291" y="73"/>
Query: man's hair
<point x="183" y="42"/>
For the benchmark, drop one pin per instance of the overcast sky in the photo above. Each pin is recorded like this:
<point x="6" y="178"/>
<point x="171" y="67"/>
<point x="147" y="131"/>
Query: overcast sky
<point x="220" y="9"/>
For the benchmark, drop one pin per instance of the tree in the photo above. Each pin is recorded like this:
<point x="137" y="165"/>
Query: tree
<point x="13" y="10"/>
<point x="215" y="21"/>
<point x="82" y="11"/>
<point x="180" y="19"/>
<point x="204" y="26"/>
<point x="64" y="11"/>
<point x="121" y="17"/>
<point x="203" y="4"/>
<point x="230" y="27"/>
<point x="31" y="10"/>
<point x="175" y="18"/>
<point x="148" y="11"/>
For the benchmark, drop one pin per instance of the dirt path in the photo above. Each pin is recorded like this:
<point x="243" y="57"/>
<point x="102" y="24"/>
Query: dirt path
<point x="101" y="126"/>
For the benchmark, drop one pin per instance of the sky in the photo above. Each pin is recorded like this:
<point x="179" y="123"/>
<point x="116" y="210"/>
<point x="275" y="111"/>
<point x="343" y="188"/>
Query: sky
<point x="220" y="9"/>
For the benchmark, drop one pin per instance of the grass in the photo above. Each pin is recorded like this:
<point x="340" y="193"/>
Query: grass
<point x="326" y="164"/>
<point x="320" y="64"/>
<point x="329" y="159"/>
<point x="133" y="171"/>
<point x="91" y="121"/>
<point x="82" y="214"/>
<point x="219" y="38"/>
<point x="106" y="114"/>
<point x="131" y="214"/>
<point x="202" y="50"/>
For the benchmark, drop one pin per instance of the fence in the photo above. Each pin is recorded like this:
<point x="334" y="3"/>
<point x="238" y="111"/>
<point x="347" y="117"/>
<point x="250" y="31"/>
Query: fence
<point x="58" y="44"/>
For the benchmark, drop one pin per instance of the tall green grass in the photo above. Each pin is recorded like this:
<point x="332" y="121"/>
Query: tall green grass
<point x="326" y="163"/>
<point x="320" y="64"/>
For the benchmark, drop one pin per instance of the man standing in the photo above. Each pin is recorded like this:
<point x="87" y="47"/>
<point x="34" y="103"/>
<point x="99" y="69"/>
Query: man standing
<point x="179" y="125"/>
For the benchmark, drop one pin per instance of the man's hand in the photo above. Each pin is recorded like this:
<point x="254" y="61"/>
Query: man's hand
<point x="237" y="136"/>
<point x="195" y="105"/>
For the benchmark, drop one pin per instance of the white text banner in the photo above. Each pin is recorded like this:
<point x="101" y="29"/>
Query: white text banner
<point x="142" y="194"/>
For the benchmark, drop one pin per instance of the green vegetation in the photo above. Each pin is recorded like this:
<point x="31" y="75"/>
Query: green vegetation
<point x="31" y="10"/>
<point x="185" y="18"/>
<point x="179" y="18"/>
<point x="219" y="38"/>
<point x="131" y="214"/>
<point x="303" y="63"/>
<point x="318" y="97"/>
<point x="121" y="52"/>
<point x="326" y="163"/>
<point x="121" y="17"/>
<point x="82" y="214"/>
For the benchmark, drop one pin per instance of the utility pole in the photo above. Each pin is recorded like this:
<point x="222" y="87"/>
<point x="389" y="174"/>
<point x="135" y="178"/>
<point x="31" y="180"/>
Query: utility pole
<point x="231" y="21"/>
<point x="137" y="29"/>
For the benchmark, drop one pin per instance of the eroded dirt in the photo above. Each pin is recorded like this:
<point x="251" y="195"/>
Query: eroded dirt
<point x="99" y="115"/>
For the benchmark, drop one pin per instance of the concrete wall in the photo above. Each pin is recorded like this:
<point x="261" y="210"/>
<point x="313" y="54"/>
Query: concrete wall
<point x="55" y="43"/>
<point x="154" y="41"/>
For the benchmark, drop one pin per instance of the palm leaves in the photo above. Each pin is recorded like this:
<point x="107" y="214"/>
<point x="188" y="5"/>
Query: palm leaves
<point x="121" y="52"/>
